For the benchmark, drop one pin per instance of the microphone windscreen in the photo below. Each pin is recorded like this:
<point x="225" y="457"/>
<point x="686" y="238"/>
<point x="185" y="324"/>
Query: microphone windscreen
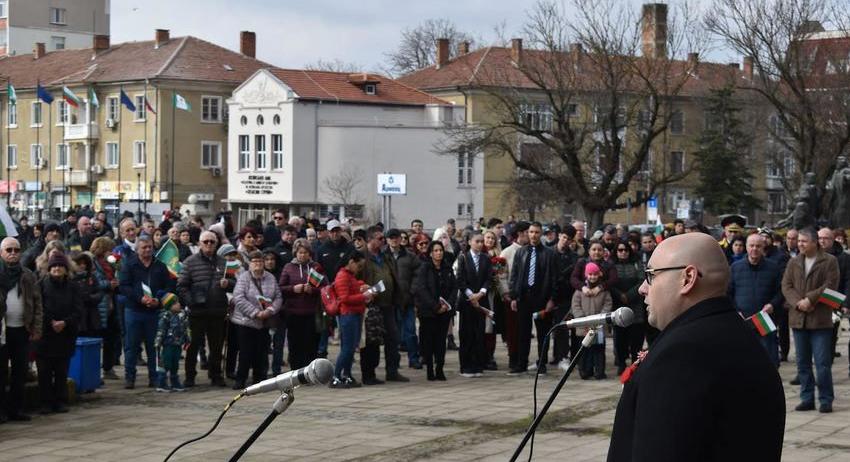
<point x="324" y="370"/>
<point x="624" y="316"/>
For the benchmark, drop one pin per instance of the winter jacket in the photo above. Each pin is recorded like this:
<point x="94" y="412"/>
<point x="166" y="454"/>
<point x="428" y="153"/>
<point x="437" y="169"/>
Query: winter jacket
<point x="302" y="304"/>
<point x="28" y="258"/>
<point x="91" y="288"/>
<point x="586" y="306"/>
<point x="629" y="279"/>
<point x="62" y="302"/>
<point x="284" y="253"/>
<point x="406" y="265"/>
<point x="347" y="288"/>
<point x="796" y="285"/>
<point x="382" y="267"/>
<point x="199" y="288"/>
<point x="609" y="274"/>
<point x="78" y="243"/>
<point x="105" y="276"/>
<point x="430" y="284"/>
<point x="505" y="278"/>
<point x="246" y="306"/>
<point x="156" y="276"/>
<point x="329" y="255"/>
<point x="753" y="286"/>
<point x="30" y="292"/>
<point x="566" y="263"/>
<point x="843" y="269"/>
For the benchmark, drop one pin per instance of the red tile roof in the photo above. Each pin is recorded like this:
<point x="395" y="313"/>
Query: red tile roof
<point x="493" y="67"/>
<point x="337" y="86"/>
<point x="181" y="58"/>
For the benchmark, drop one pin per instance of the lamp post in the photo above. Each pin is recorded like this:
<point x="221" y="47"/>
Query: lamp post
<point x="139" y="196"/>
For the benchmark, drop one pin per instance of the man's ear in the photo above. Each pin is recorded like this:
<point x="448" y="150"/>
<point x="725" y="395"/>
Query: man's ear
<point x="689" y="279"/>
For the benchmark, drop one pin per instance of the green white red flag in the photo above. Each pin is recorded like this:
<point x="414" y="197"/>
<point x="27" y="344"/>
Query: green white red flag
<point x="832" y="298"/>
<point x="763" y="323"/>
<point x="314" y="277"/>
<point x="70" y="97"/>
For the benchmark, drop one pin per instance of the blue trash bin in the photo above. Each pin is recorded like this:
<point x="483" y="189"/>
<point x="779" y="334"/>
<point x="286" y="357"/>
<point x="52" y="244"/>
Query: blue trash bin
<point x="85" y="364"/>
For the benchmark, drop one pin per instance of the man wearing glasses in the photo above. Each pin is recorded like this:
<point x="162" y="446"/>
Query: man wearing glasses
<point x="21" y="317"/>
<point x="203" y="288"/>
<point x="706" y="390"/>
<point x="273" y="230"/>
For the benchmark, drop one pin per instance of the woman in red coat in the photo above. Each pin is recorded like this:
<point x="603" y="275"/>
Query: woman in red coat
<point x="301" y="306"/>
<point x="352" y="304"/>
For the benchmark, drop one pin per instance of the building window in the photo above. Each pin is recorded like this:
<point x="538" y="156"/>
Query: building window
<point x="674" y="198"/>
<point x="677" y="123"/>
<point x="12" y="156"/>
<point x="260" y="120"/>
<point x="36" y="114"/>
<point x="465" y="209"/>
<point x="211" y="108"/>
<point x="261" y="153"/>
<point x="572" y="110"/>
<point x="58" y="42"/>
<point x="36" y="158"/>
<point x="3" y="8"/>
<point x="464" y="169"/>
<point x="536" y="117"/>
<point x="113" y="110"/>
<point x="777" y="128"/>
<point x="677" y="162"/>
<point x="243" y="120"/>
<point x="277" y="152"/>
<point x="12" y="115"/>
<point x="327" y="211"/>
<point x="244" y="152"/>
<point x="777" y="202"/>
<point x="140" y="156"/>
<point x="371" y="89"/>
<point x="276" y="119"/>
<point x="210" y="154"/>
<point x="354" y="211"/>
<point x="112" y="155"/>
<point x="141" y="113"/>
<point x="62" y="160"/>
<point x="63" y="113"/>
<point x="57" y="16"/>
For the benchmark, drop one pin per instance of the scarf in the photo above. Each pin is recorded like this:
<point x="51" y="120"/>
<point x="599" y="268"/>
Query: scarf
<point x="10" y="276"/>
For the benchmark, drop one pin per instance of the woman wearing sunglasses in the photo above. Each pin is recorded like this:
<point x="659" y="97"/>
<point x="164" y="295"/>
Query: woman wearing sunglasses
<point x="628" y="341"/>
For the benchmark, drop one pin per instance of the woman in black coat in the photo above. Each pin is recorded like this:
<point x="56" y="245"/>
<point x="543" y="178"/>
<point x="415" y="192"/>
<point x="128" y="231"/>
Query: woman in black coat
<point x="434" y="295"/>
<point x="62" y="305"/>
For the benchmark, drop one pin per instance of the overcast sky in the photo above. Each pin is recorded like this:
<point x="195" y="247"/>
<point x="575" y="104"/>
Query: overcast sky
<point x="293" y="33"/>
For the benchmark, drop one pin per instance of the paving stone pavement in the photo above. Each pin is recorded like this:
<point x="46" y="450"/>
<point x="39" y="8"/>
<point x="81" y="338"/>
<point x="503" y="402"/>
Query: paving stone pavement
<point x="458" y="420"/>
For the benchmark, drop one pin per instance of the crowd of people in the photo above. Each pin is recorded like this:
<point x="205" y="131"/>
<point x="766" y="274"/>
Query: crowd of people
<point x="241" y="298"/>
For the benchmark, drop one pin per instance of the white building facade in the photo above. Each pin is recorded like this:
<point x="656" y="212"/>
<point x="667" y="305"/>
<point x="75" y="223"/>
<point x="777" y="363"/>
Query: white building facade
<point x="306" y="141"/>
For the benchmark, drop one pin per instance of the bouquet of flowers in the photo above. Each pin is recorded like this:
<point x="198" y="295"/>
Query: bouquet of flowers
<point x="499" y="263"/>
<point x="114" y="259"/>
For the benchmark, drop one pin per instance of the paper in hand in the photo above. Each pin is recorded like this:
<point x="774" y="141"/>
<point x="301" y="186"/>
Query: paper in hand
<point x="378" y="288"/>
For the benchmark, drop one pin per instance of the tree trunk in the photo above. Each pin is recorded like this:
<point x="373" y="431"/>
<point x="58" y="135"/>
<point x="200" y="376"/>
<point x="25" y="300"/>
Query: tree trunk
<point x="594" y="218"/>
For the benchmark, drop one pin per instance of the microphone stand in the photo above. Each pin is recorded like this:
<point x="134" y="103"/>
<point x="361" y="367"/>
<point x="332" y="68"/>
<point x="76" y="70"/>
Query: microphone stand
<point x="585" y="343"/>
<point x="281" y="404"/>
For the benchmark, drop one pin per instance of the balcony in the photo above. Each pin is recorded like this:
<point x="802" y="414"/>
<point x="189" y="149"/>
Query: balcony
<point x="77" y="177"/>
<point x="81" y="132"/>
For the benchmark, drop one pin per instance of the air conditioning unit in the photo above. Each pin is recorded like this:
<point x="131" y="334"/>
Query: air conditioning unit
<point x="111" y="123"/>
<point x="97" y="169"/>
<point x="216" y="171"/>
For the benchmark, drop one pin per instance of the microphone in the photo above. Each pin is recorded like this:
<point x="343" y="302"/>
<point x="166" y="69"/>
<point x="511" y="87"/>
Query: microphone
<point x="622" y="317"/>
<point x="318" y="372"/>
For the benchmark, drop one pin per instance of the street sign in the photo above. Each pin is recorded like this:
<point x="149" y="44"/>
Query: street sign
<point x="392" y="184"/>
<point x="652" y="210"/>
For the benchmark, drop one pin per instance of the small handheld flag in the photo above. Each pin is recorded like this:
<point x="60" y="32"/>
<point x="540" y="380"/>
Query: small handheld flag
<point x="265" y="302"/>
<point x="231" y="268"/>
<point x="146" y="289"/>
<point x="170" y="256"/>
<point x="832" y="298"/>
<point x="315" y="278"/>
<point x="763" y="323"/>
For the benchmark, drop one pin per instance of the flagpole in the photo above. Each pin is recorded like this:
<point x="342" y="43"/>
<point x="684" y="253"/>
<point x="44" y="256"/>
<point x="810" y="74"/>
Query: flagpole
<point x="120" y="141"/>
<point x="146" y="143"/>
<point x="156" y="147"/>
<point x="50" y="156"/>
<point x="67" y="154"/>
<point x="89" y="150"/>
<point x="173" y="154"/>
<point x="8" y="139"/>
<point x="38" y="151"/>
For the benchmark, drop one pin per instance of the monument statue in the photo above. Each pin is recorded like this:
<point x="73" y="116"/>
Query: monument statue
<point x="838" y="192"/>
<point x="806" y="205"/>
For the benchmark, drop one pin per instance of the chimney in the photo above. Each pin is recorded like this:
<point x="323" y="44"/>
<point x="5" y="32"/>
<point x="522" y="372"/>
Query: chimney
<point x="654" y="30"/>
<point x="693" y="61"/>
<point x="463" y="48"/>
<point x="516" y="51"/>
<point x="442" y="52"/>
<point x="248" y="43"/>
<point x="734" y="65"/>
<point x="100" y="42"/>
<point x="748" y="67"/>
<point x="38" y="50"/>
<point x="162" y="36"/>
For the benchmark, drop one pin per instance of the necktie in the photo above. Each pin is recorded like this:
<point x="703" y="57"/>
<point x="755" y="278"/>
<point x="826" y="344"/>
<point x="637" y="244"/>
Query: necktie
<point x="532" y="266"/>
<point x="475" y="261"/>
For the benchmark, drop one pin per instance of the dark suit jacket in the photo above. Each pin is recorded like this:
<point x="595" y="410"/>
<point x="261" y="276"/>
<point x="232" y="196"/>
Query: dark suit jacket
<point x="705" y="392"/>
<point x="468" y="278"/>
<point x="546" y="274"/>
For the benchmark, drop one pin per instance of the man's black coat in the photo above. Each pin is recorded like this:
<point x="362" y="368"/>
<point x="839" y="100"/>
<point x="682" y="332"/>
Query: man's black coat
<point x="706" y="391"/>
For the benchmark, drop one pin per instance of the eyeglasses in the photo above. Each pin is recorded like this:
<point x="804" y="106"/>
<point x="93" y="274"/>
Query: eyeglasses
<point x="277" y="218"/>
<point x="208" y="242"/>
<point x="13" y="250"/>
<point x="651" y="272"/>
<point x="422" y="244"/>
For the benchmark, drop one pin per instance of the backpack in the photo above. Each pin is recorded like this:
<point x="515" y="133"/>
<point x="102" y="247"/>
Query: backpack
<point x="330" y="300"/>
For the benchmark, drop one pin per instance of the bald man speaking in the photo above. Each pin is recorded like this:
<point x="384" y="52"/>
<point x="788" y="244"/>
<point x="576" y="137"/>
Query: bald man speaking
<point x="706" y="391"/>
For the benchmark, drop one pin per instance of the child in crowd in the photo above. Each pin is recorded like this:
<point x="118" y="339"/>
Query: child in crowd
<point x="172" y="335"/>
<point x="587" y="304"/>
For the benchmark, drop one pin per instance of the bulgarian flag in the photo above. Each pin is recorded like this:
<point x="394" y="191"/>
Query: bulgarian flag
<point x="231" y="268"/>
<point x="7" y="226"/>
<point x="832" y="298"/>
<point x="146" y="289"/>
<point x="763" y="323"/>
<point x="148" y="105"/>
<point x="314" y="277"/>
<point x="70" y="97"/>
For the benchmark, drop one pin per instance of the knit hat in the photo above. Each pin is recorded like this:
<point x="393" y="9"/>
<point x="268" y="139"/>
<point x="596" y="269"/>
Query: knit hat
<point x="591" y="268"/>
<point x="57" y="259"/>
<point x="168" y="300"/>
<point x="50" y="227"/>
<point x="225" y="250"/>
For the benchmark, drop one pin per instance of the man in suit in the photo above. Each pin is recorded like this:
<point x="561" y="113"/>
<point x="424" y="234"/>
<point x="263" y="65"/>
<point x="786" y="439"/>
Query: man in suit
<point x="474" y="273"/>
<point x="533" y="289"/>
<point x="706" y="390"/>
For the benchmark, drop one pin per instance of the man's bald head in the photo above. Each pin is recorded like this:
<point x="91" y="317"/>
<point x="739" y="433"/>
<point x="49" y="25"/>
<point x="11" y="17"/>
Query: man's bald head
<point x="701" y="272"/>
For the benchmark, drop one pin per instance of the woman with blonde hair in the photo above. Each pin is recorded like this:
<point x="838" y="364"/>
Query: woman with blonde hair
<point x="42" y="260"/>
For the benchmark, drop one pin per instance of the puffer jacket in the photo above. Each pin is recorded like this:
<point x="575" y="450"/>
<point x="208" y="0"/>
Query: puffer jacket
<point x="587" y="306"/>
<point x="104" y="307"/>
<point x="347" y="288"/>
<point x="198" y="285"/>
<point x="245" y="303"/>
<point x="302" y="304"/>
<point x="406" y="264"/>
<point x="796" y="285"/>
<point x="753" y="286"/>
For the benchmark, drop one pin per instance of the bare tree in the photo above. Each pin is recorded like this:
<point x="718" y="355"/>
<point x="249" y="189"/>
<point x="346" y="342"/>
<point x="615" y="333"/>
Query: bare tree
<point x="579" y="109"/>
<point x="334" y="65"/>
<point x="341" y="187"/>
<point x="417" y="48"/>
<point x="804" y="81"/>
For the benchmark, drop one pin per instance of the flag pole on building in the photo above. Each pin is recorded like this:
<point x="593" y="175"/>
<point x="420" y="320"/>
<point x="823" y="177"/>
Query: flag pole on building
<point x="12" y="100"/>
